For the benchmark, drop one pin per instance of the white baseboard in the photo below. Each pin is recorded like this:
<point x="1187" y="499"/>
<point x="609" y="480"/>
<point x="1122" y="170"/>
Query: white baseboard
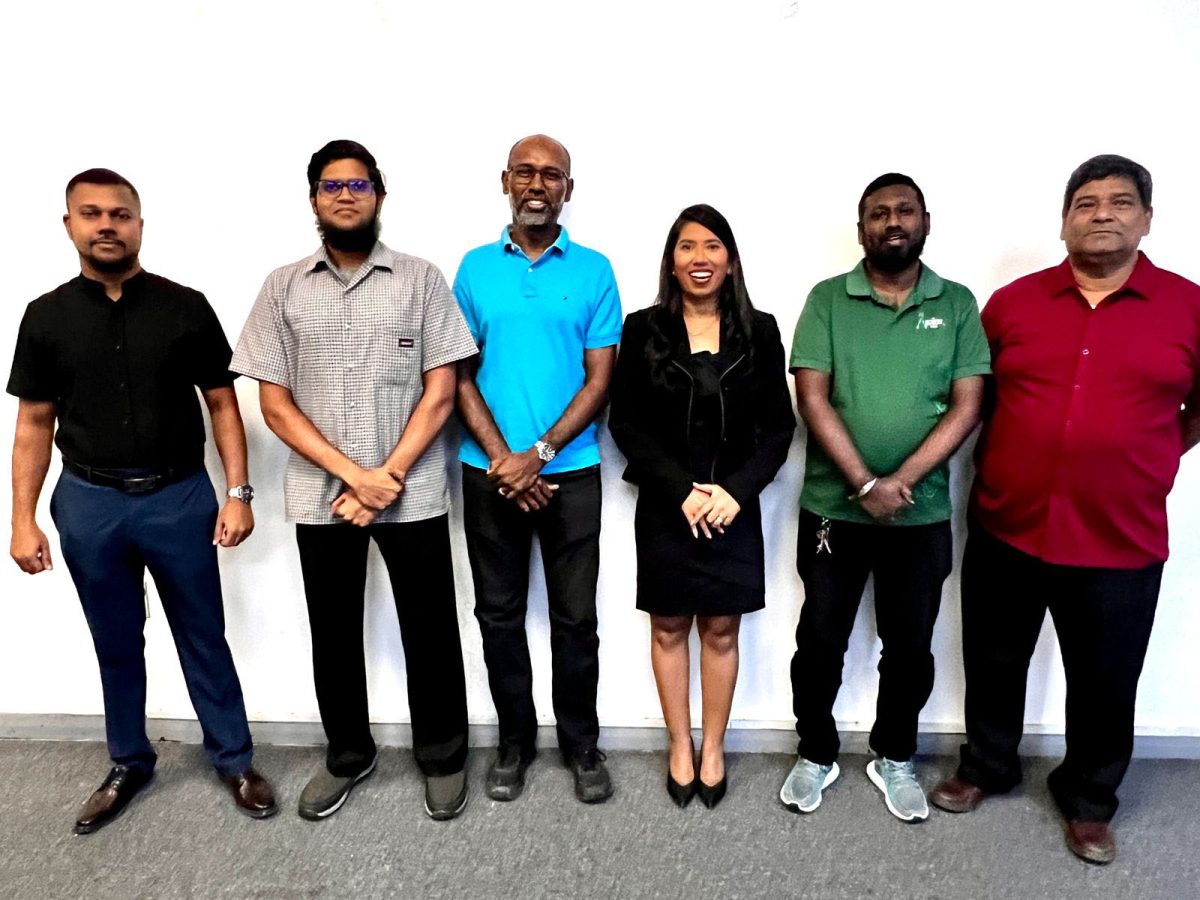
<point x="44" y="727"/>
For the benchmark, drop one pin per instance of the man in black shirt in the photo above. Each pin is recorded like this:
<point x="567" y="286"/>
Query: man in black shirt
<point x="115" y="356"/>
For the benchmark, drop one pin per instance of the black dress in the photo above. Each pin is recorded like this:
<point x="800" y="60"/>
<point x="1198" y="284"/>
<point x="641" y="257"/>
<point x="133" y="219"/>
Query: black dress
<point x="722" y="418"/>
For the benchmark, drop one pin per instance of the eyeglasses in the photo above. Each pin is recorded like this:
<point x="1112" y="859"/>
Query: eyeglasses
<point x="525" y="174"/>
<point x="358" y="187"/>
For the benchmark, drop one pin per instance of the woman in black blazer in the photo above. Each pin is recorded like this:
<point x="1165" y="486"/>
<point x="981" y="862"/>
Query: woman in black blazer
<point x="701" y="410"/>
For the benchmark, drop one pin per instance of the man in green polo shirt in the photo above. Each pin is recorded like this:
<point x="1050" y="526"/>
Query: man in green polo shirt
<point x="889" y="362"/>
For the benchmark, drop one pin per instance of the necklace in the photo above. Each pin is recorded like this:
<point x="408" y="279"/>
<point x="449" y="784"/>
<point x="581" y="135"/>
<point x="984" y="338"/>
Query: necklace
<point x="703" y="330"/>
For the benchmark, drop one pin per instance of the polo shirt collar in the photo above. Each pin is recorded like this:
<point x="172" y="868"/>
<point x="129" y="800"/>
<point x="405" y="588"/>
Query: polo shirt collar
<point x="1061" y="280"/>
<point x="560" y="243"/>
<point x="929" y="285"/>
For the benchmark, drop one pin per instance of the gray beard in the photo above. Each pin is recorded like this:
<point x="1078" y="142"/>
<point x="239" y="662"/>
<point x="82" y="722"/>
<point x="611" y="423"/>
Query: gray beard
<point x="532" y="219"/>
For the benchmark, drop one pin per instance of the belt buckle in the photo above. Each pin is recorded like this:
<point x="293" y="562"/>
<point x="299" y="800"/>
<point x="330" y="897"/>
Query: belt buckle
<point x="143" y="485"/>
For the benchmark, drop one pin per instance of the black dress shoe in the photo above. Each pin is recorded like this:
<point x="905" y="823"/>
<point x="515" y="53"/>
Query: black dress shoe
<point x="682" y="794"/>
<point x="711" y="794"/>
<point x="111" y="798"/>
<point x="252" y="793"/>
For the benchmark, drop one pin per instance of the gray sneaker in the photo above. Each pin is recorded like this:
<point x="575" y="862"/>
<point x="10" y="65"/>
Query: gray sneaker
<point x="802" y="789"/>
<point x="325" y="792"/>
<point x="445" y="795"/>
<point x="898" y="782"/>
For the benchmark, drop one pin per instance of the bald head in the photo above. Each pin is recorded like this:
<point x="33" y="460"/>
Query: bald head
<point x="543" y="143"/>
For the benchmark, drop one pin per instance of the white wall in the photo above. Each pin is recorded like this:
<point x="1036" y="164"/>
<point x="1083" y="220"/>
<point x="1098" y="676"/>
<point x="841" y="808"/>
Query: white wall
<point x="776" y="112"/>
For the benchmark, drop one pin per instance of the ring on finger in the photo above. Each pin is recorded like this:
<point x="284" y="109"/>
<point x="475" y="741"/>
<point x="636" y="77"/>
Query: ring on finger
<point x="501" y="491"/>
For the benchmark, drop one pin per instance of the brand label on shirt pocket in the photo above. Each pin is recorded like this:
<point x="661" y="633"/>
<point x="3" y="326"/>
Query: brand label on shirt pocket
<point x="405" y="343"/>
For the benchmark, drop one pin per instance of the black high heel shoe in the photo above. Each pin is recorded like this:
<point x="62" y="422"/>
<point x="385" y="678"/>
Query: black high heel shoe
<point x="711" y="794"/>
<point x="682" y="794"/>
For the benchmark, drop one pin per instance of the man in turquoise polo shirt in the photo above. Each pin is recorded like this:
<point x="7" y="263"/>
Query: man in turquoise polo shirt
<point x="546" y="316"/>
<point x="889" y="362"/>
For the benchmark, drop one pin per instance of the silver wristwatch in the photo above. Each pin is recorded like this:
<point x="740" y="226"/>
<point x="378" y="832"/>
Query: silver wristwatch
<point x="545" y="452"/>
<point x="243" y="492"/>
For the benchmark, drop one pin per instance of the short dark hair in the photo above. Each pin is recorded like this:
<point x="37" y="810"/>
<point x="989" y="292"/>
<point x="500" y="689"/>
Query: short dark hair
<point x="101" y="176"/>
<point x="343" y="149"/>
<point x="887" y="180"/>
<point x="1109" y="165"/>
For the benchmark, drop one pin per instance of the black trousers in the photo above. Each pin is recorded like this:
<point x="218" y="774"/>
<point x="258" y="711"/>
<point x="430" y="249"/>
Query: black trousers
<point x="910" y="562"/>
<point x="333" y="562"/>
<point x="1103" y="618"/>
<point x="499" y="539"/>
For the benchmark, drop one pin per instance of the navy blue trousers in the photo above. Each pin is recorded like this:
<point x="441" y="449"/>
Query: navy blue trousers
<point x="109" y="539"/>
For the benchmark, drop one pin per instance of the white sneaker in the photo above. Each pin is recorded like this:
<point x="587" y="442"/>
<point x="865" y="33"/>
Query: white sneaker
<point x="898" y="783"/>
<point x="801" y="791"/>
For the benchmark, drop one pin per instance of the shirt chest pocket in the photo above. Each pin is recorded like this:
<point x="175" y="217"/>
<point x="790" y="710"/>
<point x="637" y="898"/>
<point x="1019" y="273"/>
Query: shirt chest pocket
<point x="397" y="352"/>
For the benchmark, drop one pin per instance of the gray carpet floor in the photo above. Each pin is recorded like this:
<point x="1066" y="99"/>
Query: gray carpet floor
<point x="182" y="838"/>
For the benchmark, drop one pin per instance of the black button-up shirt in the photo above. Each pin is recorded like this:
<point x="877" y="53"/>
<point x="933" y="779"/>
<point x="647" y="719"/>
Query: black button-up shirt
<point x="123" y="373"/>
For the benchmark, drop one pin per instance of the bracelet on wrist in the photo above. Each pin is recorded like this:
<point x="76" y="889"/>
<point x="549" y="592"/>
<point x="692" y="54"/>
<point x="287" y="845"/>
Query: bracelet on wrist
<point x="863" y="491"/>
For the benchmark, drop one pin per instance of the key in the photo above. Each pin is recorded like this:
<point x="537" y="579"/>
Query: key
<point x="823" y="537"/>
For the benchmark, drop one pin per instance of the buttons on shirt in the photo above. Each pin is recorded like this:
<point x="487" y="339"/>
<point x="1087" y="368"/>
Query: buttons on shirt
<point x="1086" y="351"/>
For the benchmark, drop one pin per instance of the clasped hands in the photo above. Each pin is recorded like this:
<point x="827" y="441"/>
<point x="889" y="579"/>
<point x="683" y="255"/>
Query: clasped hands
<point x="709" y="508"/>
<point x="517" y="477"/>
<point x="886" y="499"/>
<point x="368" y="492"/>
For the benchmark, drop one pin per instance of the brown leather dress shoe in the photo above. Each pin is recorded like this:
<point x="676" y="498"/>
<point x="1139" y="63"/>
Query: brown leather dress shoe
<point x="252" y="793"/>
<point x="1091" y="841"/>
<point x="956" y="796"/>
<point x="111" y="798"/>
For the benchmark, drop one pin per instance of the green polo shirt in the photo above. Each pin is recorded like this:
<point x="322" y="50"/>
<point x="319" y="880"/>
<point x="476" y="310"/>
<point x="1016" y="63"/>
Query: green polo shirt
<point x="892" y="370"/>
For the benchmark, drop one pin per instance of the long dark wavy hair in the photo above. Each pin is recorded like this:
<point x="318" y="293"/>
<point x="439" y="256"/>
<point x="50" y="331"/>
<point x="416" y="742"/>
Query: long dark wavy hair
<point x="734" y="305"/>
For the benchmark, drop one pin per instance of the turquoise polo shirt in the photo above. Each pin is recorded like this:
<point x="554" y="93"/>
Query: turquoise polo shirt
<point x="891" y="374"/>
<point x="532" y="321"/>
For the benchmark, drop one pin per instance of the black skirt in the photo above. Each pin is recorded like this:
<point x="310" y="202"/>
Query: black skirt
<point x="679" y="575"/>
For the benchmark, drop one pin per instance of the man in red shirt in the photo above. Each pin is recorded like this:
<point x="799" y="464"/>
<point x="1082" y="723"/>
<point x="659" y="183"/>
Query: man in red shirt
<point x="1097" y="395"/>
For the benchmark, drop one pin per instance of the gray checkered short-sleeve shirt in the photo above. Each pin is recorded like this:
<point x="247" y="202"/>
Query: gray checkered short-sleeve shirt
<point x="352" y="352"/>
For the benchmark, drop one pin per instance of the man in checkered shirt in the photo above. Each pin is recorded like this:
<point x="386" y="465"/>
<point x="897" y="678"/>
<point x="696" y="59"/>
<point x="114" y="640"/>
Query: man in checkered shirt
<point x="355" y="349"/>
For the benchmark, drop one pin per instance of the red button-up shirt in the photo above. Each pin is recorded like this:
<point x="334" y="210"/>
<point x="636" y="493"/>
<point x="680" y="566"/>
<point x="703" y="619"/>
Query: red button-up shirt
<point x="1075" y="463"/>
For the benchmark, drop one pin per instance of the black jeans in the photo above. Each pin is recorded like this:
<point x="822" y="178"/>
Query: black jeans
<point x="910" y="562"/>
<point x="1103" y="618"/>
<point x="499" y="538"/>
<point x="333" y="561"/>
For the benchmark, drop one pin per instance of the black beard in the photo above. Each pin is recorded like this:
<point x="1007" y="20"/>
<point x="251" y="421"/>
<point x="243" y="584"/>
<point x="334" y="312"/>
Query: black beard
<point x="892" y="260"/>
<point x="112" y="266"/>
<point x="351" y="240"/>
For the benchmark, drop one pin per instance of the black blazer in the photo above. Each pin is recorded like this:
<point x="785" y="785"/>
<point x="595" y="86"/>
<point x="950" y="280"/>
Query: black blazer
<point x="651" y="406"/>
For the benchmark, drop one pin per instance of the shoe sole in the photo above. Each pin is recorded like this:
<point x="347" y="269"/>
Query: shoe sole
<point x="258" y="813"/>
<point x="317" y="816"/>
<point x="443" y="815"/>
<point x="796" y="807"/>
<point x="590" y="800"/>
<point x="877" y="780"/>
<point x="92" y="829"/>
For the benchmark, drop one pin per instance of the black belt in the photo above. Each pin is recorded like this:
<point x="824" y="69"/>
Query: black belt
<point x="130" y="481"/>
